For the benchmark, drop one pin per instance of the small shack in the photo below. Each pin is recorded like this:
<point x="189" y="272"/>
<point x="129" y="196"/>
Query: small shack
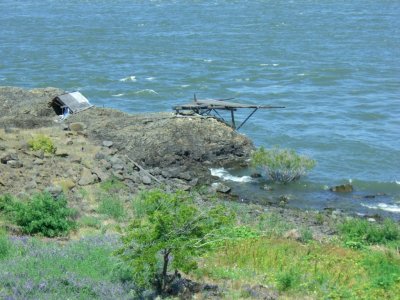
<point x="70" y="103"/>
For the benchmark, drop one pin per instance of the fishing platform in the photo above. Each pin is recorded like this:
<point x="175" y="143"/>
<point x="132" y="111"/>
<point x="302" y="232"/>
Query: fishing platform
<point x="205" y="107"/>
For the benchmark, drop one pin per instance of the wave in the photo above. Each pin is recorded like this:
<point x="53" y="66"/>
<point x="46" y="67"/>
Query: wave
<point x="146" y="91"/>
<point x="383" y="206"/>
<point x="129" y="79"/>
<point x="224" y="175"/>
<point x="118" y="95"/>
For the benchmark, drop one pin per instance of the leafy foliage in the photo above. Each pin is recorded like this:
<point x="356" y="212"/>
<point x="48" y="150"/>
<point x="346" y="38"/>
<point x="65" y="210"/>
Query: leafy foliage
<point x="5" y="245"/>
<point x="282" y="165"/>
<point x="169" y="232"/>
<point x="43" y="215"/>
<point x="42" y="142"/>
<point x="358" y="232"/>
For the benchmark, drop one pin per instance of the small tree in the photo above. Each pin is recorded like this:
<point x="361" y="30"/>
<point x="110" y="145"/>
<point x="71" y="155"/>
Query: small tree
<point x="282" y="165"/>
<point x="169" y="231"/>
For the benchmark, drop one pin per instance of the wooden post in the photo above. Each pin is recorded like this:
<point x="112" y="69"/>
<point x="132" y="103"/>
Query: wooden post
<point x="233" y="119"/>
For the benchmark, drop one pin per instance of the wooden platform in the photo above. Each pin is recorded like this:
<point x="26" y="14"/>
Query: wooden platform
<point x="207" y="106"/>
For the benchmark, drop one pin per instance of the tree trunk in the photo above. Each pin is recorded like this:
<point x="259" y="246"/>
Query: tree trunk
<point x="164" y="271"/>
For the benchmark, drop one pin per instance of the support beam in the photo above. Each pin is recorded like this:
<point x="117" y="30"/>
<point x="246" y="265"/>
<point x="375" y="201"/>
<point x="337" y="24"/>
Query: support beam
<point x="248" y="117"/>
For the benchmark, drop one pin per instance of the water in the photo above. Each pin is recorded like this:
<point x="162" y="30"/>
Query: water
<point x="333" y="64"/>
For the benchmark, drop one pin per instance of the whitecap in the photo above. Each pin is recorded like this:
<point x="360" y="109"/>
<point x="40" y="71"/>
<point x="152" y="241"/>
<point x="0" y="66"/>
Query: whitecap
<point x="264" y="65"/>
<point x="207" y="60"/>
<point x="383" y="206"/>
<point x="185" y="85"/>
<point x="275" y="65"/>
<point x="150" y="78"/>
<point x="146" y="91"/>
<point x="397" y="181"/>
<point x="224" y="175"/>
<point x="129" y="79"/>
<point x="118" y="95"/>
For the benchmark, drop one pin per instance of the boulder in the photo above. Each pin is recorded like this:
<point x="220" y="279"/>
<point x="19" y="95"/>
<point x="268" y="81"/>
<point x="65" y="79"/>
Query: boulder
<point x="87" y="177"/>
<point x="221" y="188"/>
<point x="343" y="188"/>
<point x="107" y="144"/>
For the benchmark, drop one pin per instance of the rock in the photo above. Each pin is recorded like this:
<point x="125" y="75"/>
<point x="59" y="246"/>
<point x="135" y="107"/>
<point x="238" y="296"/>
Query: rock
<point x="107" y="144"/>
<point x="118" y="167"/>
<point x="87" y="177"/>
<point x="55" y="190"/>
<point x="343" y="188"/>
<point x="77" y="126"/>
<point x="267" y="187"/>
<point x="2" y="147"/>
<point x="260" y="292"/>
<point x="185" y="175"/>
<point x="100" y="156"/>
<point x="61" y="153"/>
<point x="31" y="185"/>
<point x="38" y="154"/>
<point x="145" y="179"/>
<point x="14" y="164"/>
<point x="255" y="175"/>
<point x="9" y="157"/>
<point x="292" y="234"/>
<point x="103" y="176"/>
<point x="76" y="159"/>
<point x="69" y="142"/>
<point x="220" y="187"/>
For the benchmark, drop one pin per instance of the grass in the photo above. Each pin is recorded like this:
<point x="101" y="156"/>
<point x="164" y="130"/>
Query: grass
<point x="323" y="271"/>
<point x="357" y="233"/>
<point x="83" y="269"/>
<point x="112" y="185"/>
<point x="112" y="207"/>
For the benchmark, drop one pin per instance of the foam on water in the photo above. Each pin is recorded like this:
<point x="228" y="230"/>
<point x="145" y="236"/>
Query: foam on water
<point x="146" y="91"/>
<point x="128" y="79"/>
<point x="224" y="175"/>
<point x="383" y="206"/>
<point x="118" y="95"/>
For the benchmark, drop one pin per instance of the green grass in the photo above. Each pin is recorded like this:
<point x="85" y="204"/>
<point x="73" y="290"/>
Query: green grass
<point x="112" y="185"/>
<point x="90" y="221"/>
<point x="5" y="245"/>
<point x="357" y="233"/>
<point x="112" y="207"/>
<point x="318" y="270"/>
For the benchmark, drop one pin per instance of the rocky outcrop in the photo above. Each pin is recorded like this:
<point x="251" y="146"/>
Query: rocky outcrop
<point x="142" y="150"/>
<point x="23" y="108"/>
<point x="184" y="147"/>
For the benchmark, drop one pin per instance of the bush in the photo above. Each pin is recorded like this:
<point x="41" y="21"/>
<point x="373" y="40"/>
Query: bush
<point x="42" y="142"/>
<point x="5" y="245"/>
<point x="282" y="165"/>
<point x="44" y="215"/>
<point x="170" y="231"/>
<point x="112" y="207"/>
<point x="357" y="232"/>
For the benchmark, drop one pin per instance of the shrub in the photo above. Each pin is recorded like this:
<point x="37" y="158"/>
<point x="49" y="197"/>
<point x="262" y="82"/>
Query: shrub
<point x="44" y="215"/>
<point x="5" y="245"/>
<point x="170" y="231"/>
<point x="42" y="142"/>
<point x="282" y="165"/>
<point x="358" y="231"/>
<point x="112" y="207"/>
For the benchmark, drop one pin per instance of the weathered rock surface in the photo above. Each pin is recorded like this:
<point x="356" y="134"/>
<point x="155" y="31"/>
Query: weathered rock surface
<point x="23" y="108"/>
<point x="97" y="144"/>
<point x="164" y="140"/>
<point x="343" y="188"/>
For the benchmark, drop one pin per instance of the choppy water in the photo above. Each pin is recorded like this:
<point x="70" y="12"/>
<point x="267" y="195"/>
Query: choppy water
<point x="333" y="64"/>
